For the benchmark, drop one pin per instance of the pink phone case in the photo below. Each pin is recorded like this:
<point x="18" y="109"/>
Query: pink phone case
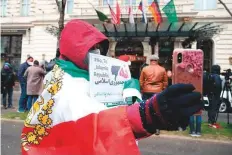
<point x="190" y="70"/>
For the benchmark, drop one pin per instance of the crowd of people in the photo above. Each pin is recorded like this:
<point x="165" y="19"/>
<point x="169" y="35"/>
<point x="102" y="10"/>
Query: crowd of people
<point x="30" y="76"/>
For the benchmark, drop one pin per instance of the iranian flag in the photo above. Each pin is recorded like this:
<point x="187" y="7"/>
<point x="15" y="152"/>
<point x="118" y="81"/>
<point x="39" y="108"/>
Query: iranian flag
<point x="170" y="10"/>
<point x="66" y="121"/>
<point x="132" y="88"/>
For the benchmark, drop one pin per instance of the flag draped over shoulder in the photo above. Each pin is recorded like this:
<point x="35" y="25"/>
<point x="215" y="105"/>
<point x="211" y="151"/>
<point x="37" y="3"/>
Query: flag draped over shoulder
<point x="155" y="11"/>
<point x="170" y="11"/>
<point x="66" y="121"/>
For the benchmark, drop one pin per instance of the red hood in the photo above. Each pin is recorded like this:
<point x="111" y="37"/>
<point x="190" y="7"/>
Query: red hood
<point x="76" y="39"/>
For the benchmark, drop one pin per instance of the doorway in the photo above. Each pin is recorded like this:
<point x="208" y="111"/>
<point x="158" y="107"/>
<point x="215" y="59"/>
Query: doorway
<point x="207" y="47"/>
<point x="133" y="48"/>
<point x="11" y="46"/>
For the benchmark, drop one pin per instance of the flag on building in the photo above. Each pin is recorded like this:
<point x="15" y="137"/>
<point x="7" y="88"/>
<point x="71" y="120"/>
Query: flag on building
<point x="114" y="19"/>
<point x="170" y="10"/>
<point x="101" y="16"/>
<point x="142" y="9"/>
<point x="118" y="13"/>
<point x="155" y="11"/>
<point x="131" y="16"/>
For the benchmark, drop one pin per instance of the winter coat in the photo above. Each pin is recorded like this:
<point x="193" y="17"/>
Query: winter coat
<point x="22" y="68"/>
<point x="7" y="79"/>
<point x="35" y="76"/>
<point x="153" y="79"/>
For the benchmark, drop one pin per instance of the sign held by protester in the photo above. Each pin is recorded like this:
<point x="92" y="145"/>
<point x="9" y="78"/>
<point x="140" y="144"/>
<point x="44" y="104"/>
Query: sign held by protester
<point x="107" y="77"/>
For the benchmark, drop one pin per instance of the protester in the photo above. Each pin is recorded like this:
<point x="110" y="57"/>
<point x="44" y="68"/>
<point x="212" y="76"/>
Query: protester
<point x="215" y="88"/>
<point x="7" y="84"/>
<point x="23" y="83"/>
<point x="35" y="75"/>
<point x="65" y="120"/>
<point x="153" y="78"/>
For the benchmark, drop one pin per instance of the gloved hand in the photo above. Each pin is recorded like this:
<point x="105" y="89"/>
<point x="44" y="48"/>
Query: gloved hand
<point x="173" y="107"/>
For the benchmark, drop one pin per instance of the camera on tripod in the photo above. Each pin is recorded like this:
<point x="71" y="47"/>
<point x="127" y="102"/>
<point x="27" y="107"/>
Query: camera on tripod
<point x="228" y="75"/>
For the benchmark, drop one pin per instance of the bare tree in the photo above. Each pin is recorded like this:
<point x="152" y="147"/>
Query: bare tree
<point x="227" y="9"/>
<point x="61" y="8"/>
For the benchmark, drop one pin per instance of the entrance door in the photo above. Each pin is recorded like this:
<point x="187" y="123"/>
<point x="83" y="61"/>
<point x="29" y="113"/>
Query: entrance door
<point x="131" y="47"/>
<point x="207" y="47"/>
<point x="166" y="48"/>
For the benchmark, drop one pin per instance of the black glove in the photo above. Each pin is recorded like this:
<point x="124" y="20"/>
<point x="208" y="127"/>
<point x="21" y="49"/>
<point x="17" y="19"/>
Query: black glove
<point x="172" y="108"/>
<point x="177" y="103"/>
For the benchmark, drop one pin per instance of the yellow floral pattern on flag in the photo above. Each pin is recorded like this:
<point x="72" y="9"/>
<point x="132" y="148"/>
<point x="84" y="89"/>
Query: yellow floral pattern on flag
<point x="42" y="111"/>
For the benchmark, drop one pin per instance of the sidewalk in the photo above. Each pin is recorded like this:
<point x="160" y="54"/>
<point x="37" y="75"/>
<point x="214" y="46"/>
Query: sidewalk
<point x="16" y="95"/>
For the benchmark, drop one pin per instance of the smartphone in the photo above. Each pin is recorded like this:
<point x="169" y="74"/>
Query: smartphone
<point x="187" y="67"/>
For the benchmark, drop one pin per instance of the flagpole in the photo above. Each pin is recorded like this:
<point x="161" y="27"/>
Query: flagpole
<point x="91" y="4"/>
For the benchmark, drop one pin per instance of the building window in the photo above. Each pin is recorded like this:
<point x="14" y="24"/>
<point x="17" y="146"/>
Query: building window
<point x="11" y="47"/>
<point x="70" y="4"/>
<point x="205" y="4"/>
<point x="127" y="2"/>
<point x="111" y="2"/>
<point x="25" y="7"/>
<point x="150" y="1"/>
<point x="3" y="8"/>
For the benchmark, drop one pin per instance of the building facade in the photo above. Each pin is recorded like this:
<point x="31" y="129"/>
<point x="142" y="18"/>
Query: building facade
<point x="24" y="25"/>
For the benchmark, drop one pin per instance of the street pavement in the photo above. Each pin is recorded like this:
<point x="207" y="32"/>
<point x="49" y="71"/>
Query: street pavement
<point x="11" y="130"/>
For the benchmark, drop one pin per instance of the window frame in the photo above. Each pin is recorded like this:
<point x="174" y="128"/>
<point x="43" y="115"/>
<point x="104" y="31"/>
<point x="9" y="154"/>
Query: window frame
<point x="67" y="9"/>
<point x="127" y="2"/>
<point x="25" y="3"/>
<point x="104" y="2"/>
<point x="203" y="5"/>
<point x="4" y="8"/>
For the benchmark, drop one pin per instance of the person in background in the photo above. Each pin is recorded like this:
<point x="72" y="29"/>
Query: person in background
<point x="23" y="83"/>
<point x="215" y="84"/>
<point x="153" y="78"/>
<point x="7" y="84"/>
<point x="195" y="130"/>
<point x="35" y="75"/>
<point x="169" y="75"/>
<point x="51" y="64"/>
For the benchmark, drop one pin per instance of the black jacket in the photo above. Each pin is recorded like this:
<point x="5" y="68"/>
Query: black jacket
<point x="7" y="78"/>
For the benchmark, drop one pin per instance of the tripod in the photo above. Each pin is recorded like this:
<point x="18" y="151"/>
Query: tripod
<point x="227" y="90"/>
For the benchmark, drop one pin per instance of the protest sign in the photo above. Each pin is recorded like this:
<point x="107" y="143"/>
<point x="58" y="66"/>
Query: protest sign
<point x="107" y="77"/>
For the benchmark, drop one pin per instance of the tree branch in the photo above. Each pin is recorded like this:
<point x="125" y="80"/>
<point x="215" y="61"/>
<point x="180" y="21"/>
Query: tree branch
<point x="227" y="9"/>
<point x="58" y="5"/>
<point x="61" y="7"/>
